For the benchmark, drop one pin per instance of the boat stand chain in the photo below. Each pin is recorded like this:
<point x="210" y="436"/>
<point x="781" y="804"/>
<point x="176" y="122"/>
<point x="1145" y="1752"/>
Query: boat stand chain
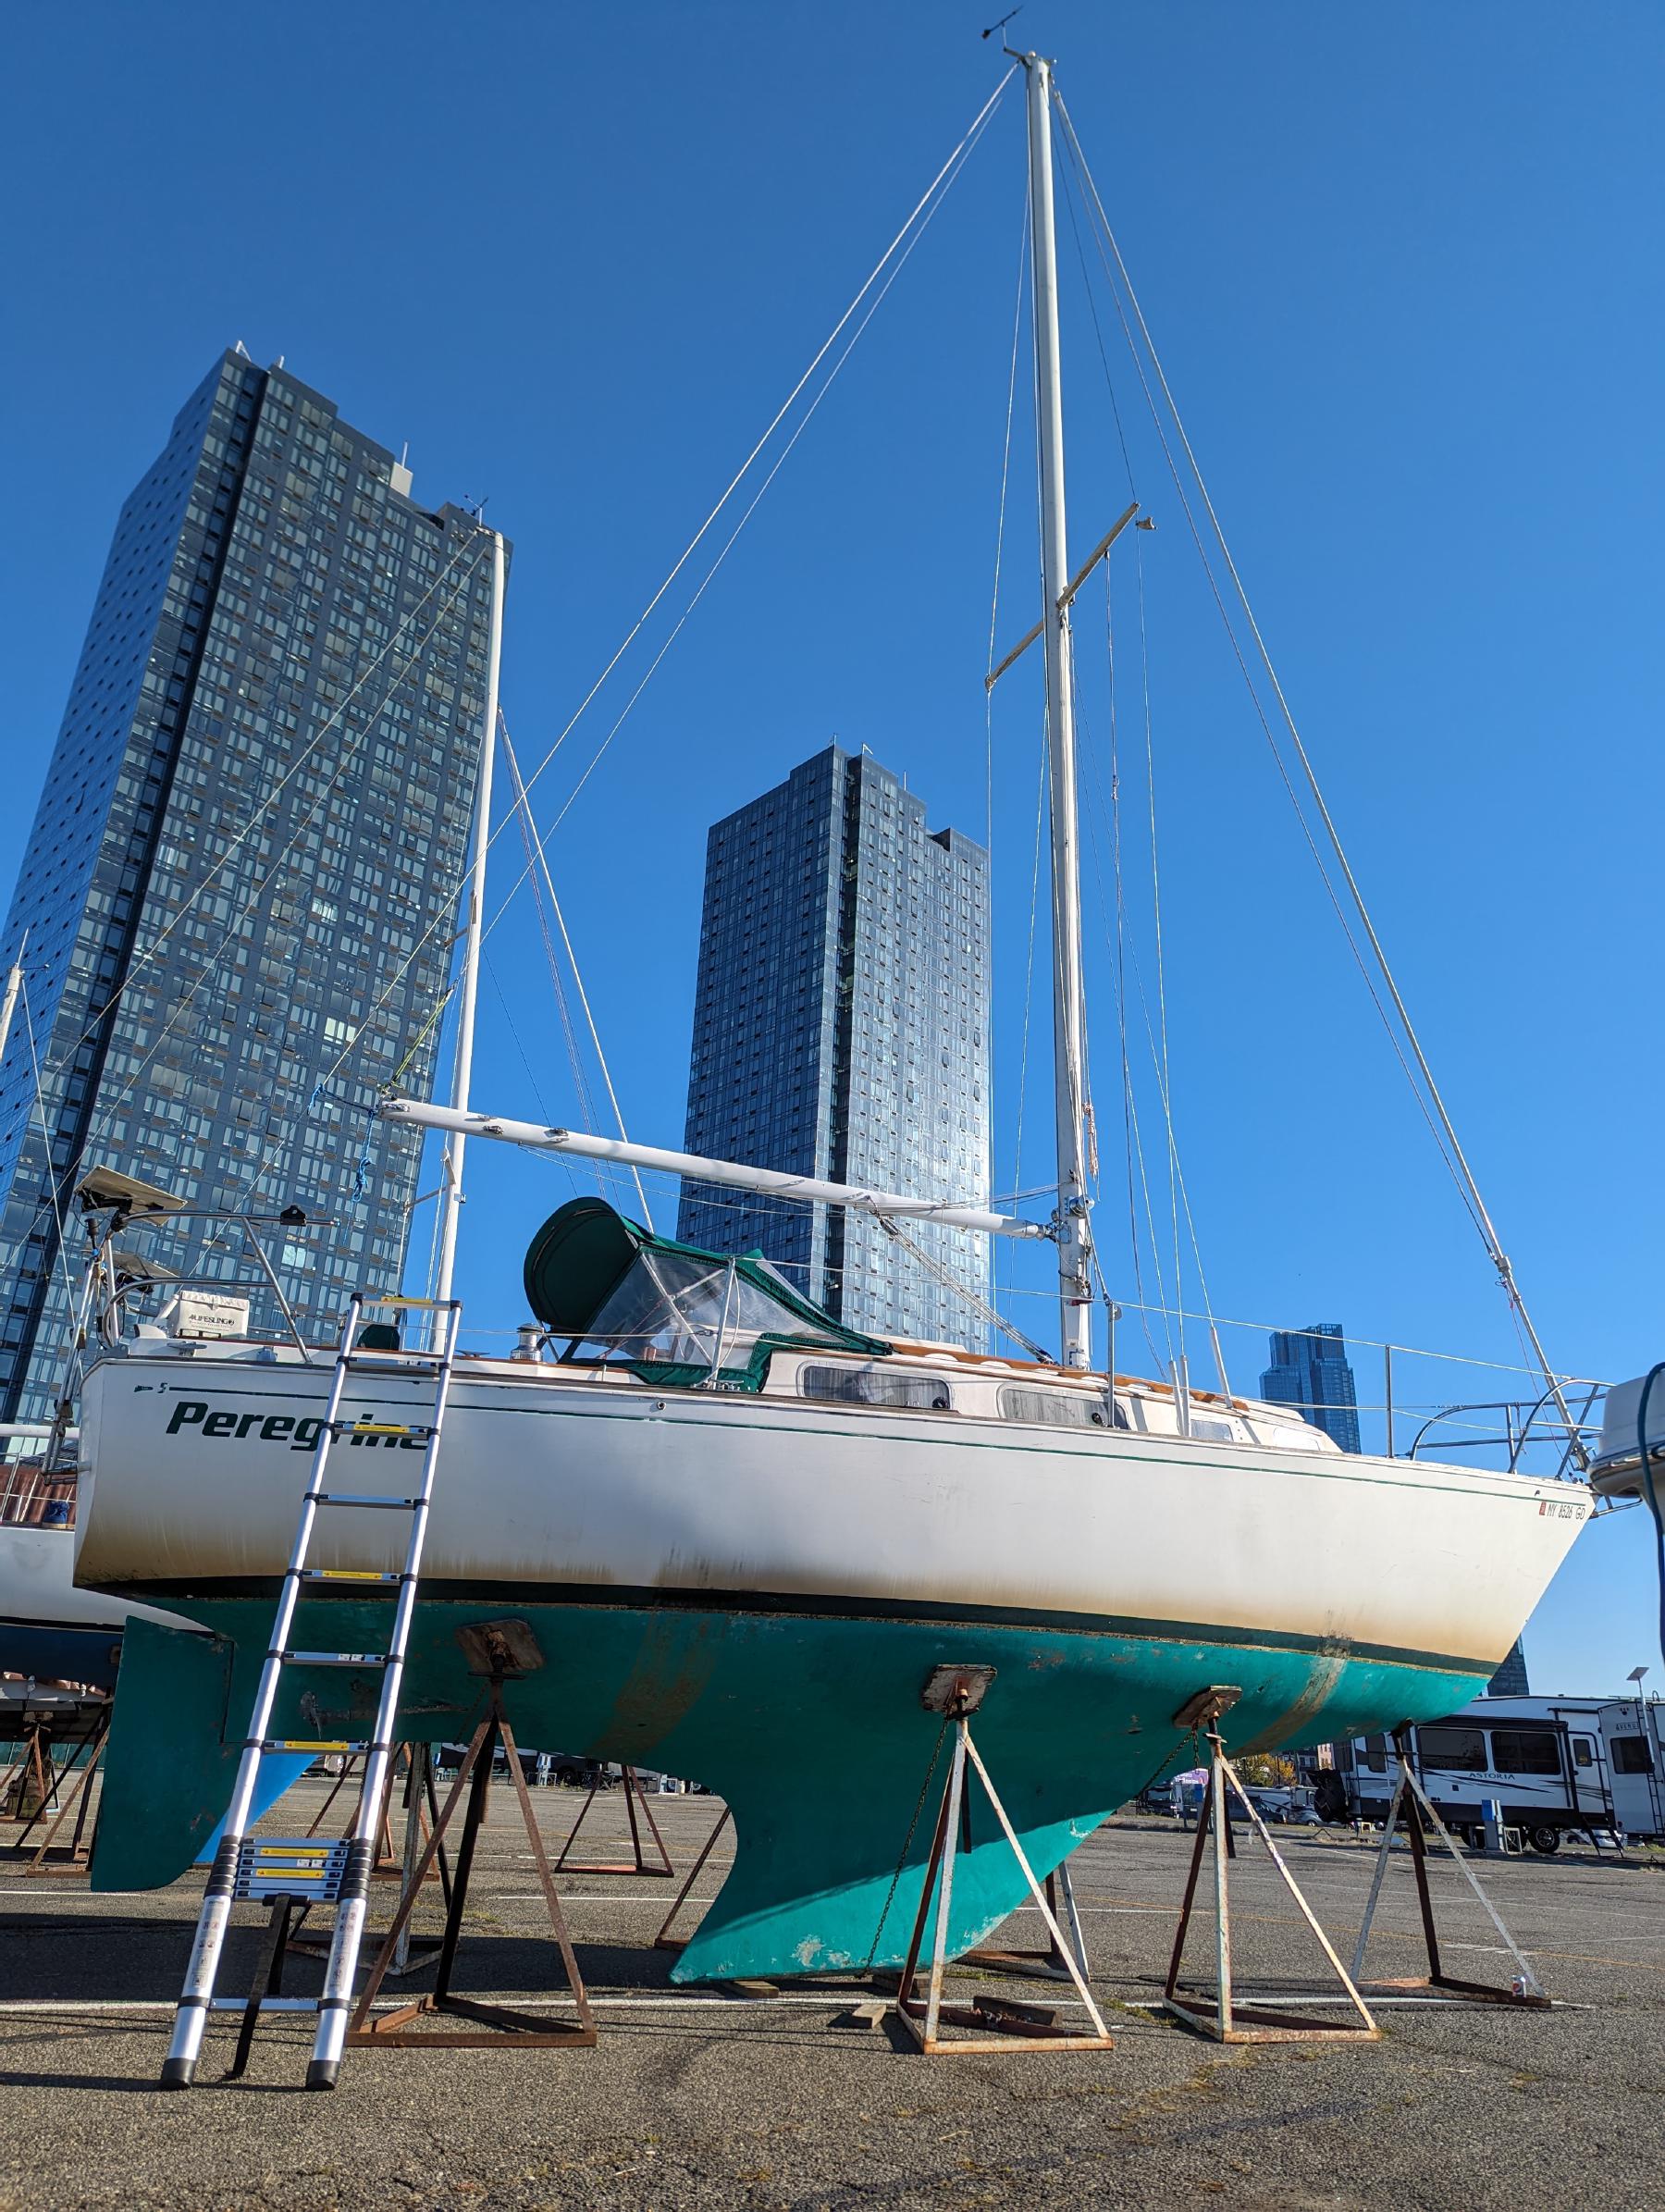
<point x="39" y="1765"/>
<point x="509" y="2030"/>
<point x="1413" y="1805"/>
<point x="637" y="1863"/>
<point x="1223" y="2016"/>
<point x="998" y="2024"/>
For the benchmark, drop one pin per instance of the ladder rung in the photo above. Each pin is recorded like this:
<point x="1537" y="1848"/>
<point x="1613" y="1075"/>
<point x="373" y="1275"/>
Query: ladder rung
<point x="358" y="1498"/>
<point x="347" y="1574"/>
<point x="426" y="1305"/>
<point x="399" y="1429"/>
<point x="422" y="1364"/>
<point x="266" y="2004"/>
<point x="290" y="1867"/>
<point x="296" y="1743"/>
<point x="333" y="1659"/>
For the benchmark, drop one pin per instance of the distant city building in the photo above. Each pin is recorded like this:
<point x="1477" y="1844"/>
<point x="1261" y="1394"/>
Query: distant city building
<point x="841" y="1030"/>
<point x="1509" y="1681"/>
<point x="236" y="894"/>
<point x="1310" y="1370"/>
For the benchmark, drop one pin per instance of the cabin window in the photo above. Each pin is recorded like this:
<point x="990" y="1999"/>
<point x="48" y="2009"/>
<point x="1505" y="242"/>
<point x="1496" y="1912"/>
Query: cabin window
<point x="1583" y="1752"/>
<point x="1451" y="1750"/>
<point x="1631" y="1756"/>
<point x="873" y="1386"/>
<point x="1525" y="1751"/>
<point x="1216" y="1431"/>
<point x="1055" y="1409"/>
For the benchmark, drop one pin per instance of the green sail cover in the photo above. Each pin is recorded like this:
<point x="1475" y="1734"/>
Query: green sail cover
<point x="671" y="1313"/>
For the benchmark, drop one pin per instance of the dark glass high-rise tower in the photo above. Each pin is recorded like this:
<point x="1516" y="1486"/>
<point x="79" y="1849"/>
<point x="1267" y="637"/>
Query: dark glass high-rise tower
<point x="1311" y="1371"/>
<point x="235" y="902"/>
<point x="841" y="1030"/>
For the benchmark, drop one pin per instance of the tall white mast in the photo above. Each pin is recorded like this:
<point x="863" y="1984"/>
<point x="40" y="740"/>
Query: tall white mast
<point x="1075" y="1235"/>
<point x="451" y="1173"/>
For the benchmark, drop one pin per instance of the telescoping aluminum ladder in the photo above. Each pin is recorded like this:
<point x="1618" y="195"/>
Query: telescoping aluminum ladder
<point x="273" y="1870"/>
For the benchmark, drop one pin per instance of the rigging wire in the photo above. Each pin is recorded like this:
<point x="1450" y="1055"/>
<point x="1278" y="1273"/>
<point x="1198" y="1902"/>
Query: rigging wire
<point x="1029" y="973"/>
<point x="1133" y="1141"/>
<point x="529" y="830"/>
<point x="928" y="202"/>
<point x="955" y="161"/>
<point x="602" y="1177"/>
<point x="1179" y="1196"/>
<point x="1450" y="1147"/>
<point x="953" y="1283"/>
<point x="749" y="510"/>
<point x="1006" y="472"/>
<point x="53" y="1181"/>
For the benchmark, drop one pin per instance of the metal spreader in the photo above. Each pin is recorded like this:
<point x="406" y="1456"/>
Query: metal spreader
<point x="288" y="1873"/>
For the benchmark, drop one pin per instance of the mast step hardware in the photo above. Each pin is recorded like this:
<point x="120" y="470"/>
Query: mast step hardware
<point x="1223" y="2015"/>
<point x="997" y="2024"/>
<point x="1413" y="1810"/>
<point x="290" y="1874"/>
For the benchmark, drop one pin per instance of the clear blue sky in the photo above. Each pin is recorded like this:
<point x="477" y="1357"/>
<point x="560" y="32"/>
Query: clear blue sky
<point x="1404" y="266"/>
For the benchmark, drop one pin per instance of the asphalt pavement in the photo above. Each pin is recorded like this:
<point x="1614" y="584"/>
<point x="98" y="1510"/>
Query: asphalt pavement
<point x="707" y="2098"/>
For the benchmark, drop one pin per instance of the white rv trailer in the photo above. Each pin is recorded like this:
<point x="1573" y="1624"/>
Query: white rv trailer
<point x="1634" y="1732"/>
<point x="1546" y="1761"/>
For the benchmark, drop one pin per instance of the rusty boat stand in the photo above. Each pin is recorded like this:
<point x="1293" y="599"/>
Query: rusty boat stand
<point x="1413" y="1809"/>
<point x="635" y="1795"/>
<point x="1223" y="2015"/>
<point x="996" y="2024"/>
<point x="38" y="1775"/>
<point x="491" y="2027"/>
<point x="664" y="1940"/>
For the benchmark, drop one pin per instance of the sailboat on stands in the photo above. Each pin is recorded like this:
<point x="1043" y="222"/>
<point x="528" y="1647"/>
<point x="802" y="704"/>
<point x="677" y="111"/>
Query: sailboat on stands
<point x="738" y="1537"/>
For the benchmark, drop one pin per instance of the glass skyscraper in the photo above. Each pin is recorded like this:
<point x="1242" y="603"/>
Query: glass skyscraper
<point x="841" y="1030"/>
<point x="1310" y="1370"/>
<point x="235" y="904"/>
<point x="1511" y="1680"/>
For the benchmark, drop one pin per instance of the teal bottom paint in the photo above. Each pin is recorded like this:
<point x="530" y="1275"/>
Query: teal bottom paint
<point x="810" y="1727"/>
